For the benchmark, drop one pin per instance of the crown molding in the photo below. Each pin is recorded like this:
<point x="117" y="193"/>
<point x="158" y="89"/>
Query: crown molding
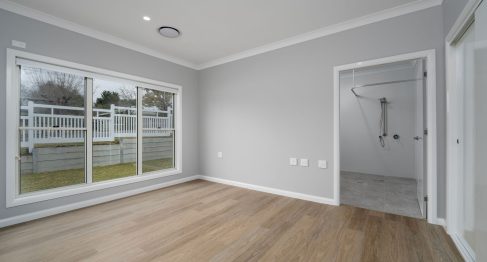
<point x="463" y="22"/>
<point x="65" y="24"/>
<point x="412" y="7"/>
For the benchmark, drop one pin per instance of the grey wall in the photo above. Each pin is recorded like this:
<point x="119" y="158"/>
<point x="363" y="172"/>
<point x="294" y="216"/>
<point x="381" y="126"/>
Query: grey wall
<point x="451" y="11"/>
<point x="55" y="42"/>
<point x="261" y="110"/>
<point x="360" y="150"/>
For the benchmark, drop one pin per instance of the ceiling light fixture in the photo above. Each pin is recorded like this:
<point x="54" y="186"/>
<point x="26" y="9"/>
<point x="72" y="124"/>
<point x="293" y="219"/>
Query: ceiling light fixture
<point x="168" y="31"/>
<point x="146" y="18"/>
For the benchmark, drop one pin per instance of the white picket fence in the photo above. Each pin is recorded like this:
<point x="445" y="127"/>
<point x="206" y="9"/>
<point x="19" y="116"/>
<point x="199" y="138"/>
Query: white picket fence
<point x="48" y="124"/>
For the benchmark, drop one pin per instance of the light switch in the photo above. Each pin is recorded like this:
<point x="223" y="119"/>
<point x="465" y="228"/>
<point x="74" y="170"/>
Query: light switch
<point x="304" y="162"/>
<point x="322" y="164"/>
<point x="219" y="154"/>
<point x="293" y="161"/>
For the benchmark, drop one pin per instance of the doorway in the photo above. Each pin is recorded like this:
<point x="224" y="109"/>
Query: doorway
<point x="385" y="135"/>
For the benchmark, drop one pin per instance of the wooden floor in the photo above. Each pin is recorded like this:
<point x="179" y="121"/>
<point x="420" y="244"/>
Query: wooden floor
<point x="203" y="221"/>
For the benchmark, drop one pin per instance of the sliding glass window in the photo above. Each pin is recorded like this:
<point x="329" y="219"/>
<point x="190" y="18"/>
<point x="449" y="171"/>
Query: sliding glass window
<point x="114" y="130"/>
<point x="158" y="130"/>
<point x="79" y="129"/>
<point x="51" y="128"/>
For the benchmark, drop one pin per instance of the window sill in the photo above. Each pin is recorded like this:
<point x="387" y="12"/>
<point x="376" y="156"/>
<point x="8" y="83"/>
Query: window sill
<point x="84" y="188"/>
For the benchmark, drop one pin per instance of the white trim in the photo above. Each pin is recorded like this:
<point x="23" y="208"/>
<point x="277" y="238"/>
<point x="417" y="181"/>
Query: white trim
<point x="65" y="24"/>
<point x="12" y="196"/>
<point x="336" y="134"/>
<point x="61" y="209"/>
<point x="451" y="135"/>
<point x="178" y="133"/>
<point x="441" y="222"/>
<point x="463" y="247"/>
<point x="430" y="57"/>
<point x="270" y="190"/>
<point x="89" y="71"/>
<point x="43" y="195"/>
<point x="463" y="21"/>
<point x="453" y="205"/>
<point x="412" y="7"/>
<point x="140" y="131"/>
<point x="89" y="130"/>
<point x="408" y="8"/>
<point x="11" y="135"/>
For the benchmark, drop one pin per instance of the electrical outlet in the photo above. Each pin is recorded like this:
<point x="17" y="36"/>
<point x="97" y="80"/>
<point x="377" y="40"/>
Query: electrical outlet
<point x="293" y="161"/>
<point x="304" y="162"/>
<point x="322" y="164"/>
<point x="219" y="155"/>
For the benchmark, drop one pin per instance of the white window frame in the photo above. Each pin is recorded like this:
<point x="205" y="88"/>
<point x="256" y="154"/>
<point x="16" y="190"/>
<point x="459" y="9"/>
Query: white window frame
<point x="13" y="196"/>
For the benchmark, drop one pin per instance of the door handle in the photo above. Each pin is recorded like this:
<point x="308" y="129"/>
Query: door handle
<point x="417" y="138"/>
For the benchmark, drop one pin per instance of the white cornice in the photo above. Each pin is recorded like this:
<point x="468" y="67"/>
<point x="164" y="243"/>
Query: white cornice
<point x="328" y="30"/>
<point x="463" y="21"/>
<point x="59" y="22"/>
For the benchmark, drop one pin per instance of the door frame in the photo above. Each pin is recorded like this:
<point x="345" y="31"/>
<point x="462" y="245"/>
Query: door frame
<point x="431" y="154"/>
<point x="453" y="198"/>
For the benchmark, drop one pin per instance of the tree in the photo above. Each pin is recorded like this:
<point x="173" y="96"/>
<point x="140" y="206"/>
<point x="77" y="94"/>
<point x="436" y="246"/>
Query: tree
<point x="161" y="100"/>
<point x="128" y="96"/>
<point x="107" y="98"/>
<point x="53" y="88"/>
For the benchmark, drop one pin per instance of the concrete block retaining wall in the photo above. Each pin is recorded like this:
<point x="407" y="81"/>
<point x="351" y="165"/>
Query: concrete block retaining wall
<point x="45" y="159"/>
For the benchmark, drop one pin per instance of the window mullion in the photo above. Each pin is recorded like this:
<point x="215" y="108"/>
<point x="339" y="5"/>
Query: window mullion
<point x="89" y="129"/>
<point x="140" y="128"/>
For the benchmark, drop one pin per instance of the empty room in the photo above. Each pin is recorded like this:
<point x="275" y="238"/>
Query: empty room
<point x="243" y="130"/>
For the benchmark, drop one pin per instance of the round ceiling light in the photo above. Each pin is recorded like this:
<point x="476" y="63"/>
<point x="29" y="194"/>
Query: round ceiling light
<point x="168" y="31"/>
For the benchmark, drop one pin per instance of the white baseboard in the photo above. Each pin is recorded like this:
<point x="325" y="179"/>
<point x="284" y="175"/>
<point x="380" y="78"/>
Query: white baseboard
<point x="61" y="209"/>
<point x="275" y="191"/>
<point x="442" y="222"/>
<point x="463" y="247"/>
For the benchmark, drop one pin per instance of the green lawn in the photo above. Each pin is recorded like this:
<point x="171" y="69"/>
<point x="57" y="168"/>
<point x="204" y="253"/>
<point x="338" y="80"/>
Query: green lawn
<point x="47" y="180"/>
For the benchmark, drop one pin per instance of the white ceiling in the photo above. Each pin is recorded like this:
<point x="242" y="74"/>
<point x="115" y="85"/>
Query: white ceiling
<point x="211" y="29"/>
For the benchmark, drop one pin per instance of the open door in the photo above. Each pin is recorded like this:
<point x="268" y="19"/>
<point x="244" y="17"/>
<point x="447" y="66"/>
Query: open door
<point x="419" y="138"/>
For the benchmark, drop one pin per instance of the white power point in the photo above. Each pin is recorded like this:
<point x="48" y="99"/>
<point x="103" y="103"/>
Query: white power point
<point x="293" y="161"/>
<point x="219" y="155"/>
<point x="304" y="162"/>
<point x="322" y="164"/>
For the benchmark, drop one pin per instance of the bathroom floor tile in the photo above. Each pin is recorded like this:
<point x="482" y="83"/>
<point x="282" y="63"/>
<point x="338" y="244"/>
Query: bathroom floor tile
<point x="393" y="195"/>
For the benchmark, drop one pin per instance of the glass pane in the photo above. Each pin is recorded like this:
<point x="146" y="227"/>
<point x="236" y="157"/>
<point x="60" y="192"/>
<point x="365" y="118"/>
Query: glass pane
<point x="158" y="130"/>
<point x="51" y="133"/>
<point x="114" y="130"/>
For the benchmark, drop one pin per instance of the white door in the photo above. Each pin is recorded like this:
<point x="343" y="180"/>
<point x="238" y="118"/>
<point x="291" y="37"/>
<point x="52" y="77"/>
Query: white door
<point x="419" y="138"/>
<point x="472" y="140"/>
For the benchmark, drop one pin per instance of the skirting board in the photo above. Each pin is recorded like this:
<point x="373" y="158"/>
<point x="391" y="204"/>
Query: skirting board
<point x="61" y="209"/>
<point x="442" y="222"/>
<point x="275" y="191"/>
<point x="463" y="248"/>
